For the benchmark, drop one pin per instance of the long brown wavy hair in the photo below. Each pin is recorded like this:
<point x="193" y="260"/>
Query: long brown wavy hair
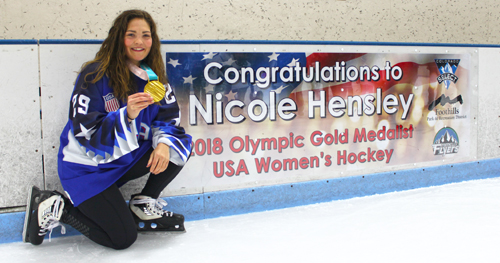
<point x="112" y="58"/>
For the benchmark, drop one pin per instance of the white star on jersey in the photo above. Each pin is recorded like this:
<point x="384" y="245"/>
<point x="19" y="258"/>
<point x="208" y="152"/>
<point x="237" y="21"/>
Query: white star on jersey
<point x="85" y="133"/>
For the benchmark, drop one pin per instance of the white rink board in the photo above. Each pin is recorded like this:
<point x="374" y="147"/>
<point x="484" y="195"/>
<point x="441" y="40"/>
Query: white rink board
<point x="20" y="131"/>
<point x="488" y="121"/>
<point x="59" y="65"/>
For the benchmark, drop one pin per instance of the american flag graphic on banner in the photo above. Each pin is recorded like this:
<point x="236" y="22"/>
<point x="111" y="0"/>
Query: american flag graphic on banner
<point x="185" y="72"/>
<point x="111" y="103"/>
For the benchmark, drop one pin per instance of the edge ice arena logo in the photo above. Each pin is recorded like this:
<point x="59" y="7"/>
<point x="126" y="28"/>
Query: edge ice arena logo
<point x="446" y="142"/>
<point x="447" y="68"/>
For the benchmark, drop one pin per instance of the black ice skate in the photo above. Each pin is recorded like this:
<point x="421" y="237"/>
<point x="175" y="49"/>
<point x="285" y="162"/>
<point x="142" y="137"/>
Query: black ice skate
<point x="43" y="212"/>
<point x="149" y="215"/>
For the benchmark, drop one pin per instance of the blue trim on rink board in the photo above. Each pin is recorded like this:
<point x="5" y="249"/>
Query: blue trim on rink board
<point x="18" y="42"/>
<point x="70" y="41"/>
<point x="251" y="42"/>
<point x="11" y="227"/>
<point x="233" y="202"/>
<point x="241" y="201"/>
<point x="308" y="42"/>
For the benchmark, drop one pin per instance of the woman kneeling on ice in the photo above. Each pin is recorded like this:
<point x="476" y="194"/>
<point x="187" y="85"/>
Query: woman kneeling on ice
<point x="123" y="124"/>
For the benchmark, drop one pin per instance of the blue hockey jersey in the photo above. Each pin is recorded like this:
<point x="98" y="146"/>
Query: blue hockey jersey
<point x="98" y="145"/>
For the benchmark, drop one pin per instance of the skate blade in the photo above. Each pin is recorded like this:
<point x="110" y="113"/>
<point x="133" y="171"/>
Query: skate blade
<point x="160" y="232"/>
<point x="152" y="227"/>
<point x="29" y="211"/>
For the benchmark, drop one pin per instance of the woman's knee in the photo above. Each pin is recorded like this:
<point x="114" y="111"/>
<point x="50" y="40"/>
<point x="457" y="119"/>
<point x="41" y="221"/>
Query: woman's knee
<point x="128" y="237"/>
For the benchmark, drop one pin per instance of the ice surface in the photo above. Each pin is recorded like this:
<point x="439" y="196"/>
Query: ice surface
<point x="452" y="223"/>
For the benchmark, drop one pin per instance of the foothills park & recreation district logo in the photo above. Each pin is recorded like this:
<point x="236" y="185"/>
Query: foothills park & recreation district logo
<point x="447" y="68"/>
<point x="446" y="142"/>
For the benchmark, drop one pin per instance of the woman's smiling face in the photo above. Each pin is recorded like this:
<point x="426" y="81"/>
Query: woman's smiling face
<point x="138" y="40"/>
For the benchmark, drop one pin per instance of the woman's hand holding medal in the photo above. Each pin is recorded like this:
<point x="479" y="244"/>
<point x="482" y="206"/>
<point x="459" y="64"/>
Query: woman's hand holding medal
<point x="137" y="102"/>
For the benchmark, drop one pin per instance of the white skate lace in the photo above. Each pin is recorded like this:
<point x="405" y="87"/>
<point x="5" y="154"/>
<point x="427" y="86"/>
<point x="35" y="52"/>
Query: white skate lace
<point x="50" y="219"/>
<point x="155" y="204"/>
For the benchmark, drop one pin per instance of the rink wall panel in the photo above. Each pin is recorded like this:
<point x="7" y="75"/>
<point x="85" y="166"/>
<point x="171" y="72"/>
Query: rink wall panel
<point x="42" y="72"/>
<point x="21" y="141"/>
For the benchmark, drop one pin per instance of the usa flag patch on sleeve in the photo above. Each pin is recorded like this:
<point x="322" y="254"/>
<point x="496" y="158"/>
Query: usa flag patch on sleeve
<point x="111" y="103"/>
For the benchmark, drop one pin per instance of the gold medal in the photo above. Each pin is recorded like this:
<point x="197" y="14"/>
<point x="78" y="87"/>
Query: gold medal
<point x="155" y="89"/>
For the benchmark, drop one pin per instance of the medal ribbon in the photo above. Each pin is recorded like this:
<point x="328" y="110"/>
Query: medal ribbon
<point x="151" y="74"/>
